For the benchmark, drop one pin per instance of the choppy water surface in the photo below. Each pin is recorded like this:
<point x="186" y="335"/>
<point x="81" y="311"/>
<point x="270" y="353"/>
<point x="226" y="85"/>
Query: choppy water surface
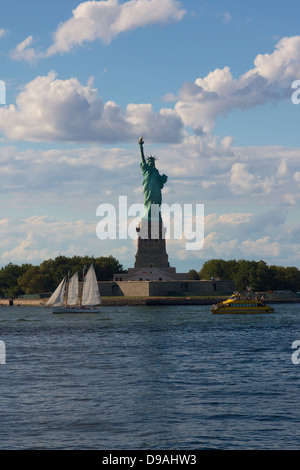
<point x="149" y="378"/>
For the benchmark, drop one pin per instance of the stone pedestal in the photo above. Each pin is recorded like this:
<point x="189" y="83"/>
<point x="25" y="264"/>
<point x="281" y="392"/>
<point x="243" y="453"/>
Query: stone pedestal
<point x="151" y="259"/>
<point x="151" y="245"/>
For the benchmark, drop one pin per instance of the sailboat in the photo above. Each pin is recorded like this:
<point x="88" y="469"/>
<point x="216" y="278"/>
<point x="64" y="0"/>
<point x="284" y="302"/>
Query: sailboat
<point x="66" y="298"/>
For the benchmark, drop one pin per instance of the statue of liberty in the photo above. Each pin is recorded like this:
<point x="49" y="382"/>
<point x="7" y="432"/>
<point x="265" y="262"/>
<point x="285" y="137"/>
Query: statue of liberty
<point x="153" y="183"/>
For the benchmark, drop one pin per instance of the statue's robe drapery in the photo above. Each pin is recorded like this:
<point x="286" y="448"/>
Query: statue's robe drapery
<point x="153" y="183"/>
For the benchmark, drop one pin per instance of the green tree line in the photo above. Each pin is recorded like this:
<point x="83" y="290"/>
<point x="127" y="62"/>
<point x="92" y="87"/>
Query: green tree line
<point x="255" y="274"/>
<point x="29" y="279"/>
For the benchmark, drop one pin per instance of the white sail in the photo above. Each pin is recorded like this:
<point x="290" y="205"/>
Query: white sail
<point x="57" y="298"/>
<point x="73" y="290"/>
<point x="90" y="292"/>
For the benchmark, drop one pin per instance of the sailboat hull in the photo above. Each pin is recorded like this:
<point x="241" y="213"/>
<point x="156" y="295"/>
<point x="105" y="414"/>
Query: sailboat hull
<point x="74" y="310"/>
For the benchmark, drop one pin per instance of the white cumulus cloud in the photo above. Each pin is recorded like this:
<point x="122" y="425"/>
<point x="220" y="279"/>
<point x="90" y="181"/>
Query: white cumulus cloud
<point x="201" y="102"/>
<point x="23" y="51"/>
<point x="102" y="20"/>
<point x="50" y="109"/>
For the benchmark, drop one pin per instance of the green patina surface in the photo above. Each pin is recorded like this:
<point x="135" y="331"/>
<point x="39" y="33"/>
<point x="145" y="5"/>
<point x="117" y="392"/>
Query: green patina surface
<point x="153" y="183"/>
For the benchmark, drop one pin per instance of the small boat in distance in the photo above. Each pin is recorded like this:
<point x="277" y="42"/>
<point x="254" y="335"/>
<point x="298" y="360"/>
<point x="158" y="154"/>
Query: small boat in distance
<point x="66" y="297"/>
<point x="238" y="304"/>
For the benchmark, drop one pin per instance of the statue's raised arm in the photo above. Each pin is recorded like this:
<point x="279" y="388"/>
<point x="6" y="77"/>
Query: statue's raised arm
<point x="141" y="142"/>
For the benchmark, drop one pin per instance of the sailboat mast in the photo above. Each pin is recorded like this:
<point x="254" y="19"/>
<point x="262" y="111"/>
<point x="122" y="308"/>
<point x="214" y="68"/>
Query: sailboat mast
<point x="83" y="274"/>
<point x="67" y="289"/>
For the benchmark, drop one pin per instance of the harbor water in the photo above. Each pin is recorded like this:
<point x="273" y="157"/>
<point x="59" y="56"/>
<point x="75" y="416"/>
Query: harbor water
<point x="168" y="377"/>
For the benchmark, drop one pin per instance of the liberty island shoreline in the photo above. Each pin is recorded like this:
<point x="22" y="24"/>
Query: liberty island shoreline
<point x="129" y="301"/>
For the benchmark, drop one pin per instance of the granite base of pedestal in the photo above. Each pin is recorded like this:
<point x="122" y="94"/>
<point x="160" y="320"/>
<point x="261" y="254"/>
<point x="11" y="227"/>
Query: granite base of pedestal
<point x="151" y="246"/>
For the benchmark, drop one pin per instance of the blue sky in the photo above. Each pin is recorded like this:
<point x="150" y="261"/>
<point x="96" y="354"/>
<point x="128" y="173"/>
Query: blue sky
<point x="208" y="85"/>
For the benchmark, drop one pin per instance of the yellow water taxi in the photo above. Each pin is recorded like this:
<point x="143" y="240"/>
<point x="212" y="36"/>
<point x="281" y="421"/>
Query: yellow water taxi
<point x="239" y="304"/>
